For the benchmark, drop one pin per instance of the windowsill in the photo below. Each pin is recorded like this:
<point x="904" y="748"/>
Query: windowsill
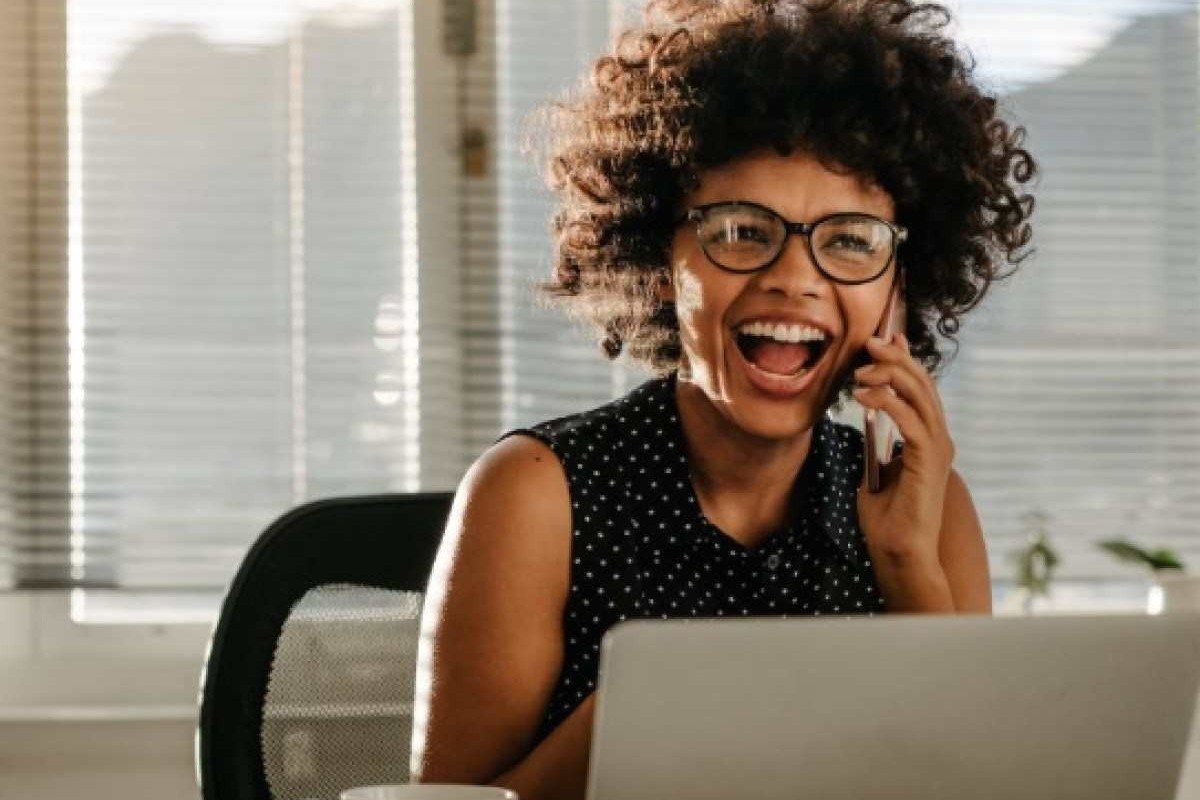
<point x="138" y="607"/>
<point x="91" y="713"/>
<point x="1108" y="596"/>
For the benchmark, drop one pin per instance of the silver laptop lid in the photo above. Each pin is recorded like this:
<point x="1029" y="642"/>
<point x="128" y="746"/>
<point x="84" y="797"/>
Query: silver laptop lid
<point x="929" y="707"/>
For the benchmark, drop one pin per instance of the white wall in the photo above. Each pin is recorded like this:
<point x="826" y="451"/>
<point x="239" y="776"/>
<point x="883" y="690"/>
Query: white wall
<point x="94" y="711"/>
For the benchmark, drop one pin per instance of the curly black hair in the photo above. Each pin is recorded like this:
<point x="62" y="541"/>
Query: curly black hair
<point x="872" y="87"/>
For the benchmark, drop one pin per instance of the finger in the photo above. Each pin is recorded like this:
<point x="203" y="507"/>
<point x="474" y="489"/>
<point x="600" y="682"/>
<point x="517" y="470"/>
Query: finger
<point x="886" y="353"/>
<point x="895" y="352"/>
<point x="912" y="428"/>
<point x="887" y="472"/>
<point x="898" y="352"/>
<point x="910" y="387"/>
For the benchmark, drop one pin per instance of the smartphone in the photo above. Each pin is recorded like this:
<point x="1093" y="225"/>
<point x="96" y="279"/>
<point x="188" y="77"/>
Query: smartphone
<point x="880" y="433"/>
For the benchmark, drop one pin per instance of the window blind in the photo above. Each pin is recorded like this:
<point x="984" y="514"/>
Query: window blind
<point x="15" y="246"/>
<point x="1074" y="394"/>
<point x="237" y="292"/>
<point x="522" y="363"/>
<point x="547" y="368"/>
<point x="34" y="419"/>
<point x="262" y="253"/>
<point x="250" y="313"/>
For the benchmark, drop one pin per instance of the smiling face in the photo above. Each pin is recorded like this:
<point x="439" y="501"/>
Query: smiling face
<point x="742" y="382"/>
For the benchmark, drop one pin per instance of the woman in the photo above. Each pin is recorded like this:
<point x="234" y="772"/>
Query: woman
<point x="721" y="487"/>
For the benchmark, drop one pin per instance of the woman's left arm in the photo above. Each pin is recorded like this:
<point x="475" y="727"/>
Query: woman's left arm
<point x="923" y="534"/>
<point x="962" y="552"/>
<point x="957" y="581"/>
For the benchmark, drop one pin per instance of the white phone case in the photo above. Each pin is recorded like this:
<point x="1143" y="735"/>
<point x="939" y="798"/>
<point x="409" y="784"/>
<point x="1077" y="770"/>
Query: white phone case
<point x="880" y="433"/>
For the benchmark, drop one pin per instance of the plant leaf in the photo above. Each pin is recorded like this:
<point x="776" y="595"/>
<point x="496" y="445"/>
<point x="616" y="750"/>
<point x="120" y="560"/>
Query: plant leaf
<point x="1126" y="551"/>
<point x="1166" y="559"/>
<point x="1130" y="552"/>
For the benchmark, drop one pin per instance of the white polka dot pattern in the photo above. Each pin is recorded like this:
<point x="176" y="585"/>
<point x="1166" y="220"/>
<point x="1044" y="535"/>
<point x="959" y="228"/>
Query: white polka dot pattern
<point x="642" y="547"/>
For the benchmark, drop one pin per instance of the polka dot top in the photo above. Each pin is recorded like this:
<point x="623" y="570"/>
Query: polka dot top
<point x="642" y="547"/>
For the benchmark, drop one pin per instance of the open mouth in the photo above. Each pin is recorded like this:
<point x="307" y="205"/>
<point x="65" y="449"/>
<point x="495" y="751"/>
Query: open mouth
<point x="789" y="359"/>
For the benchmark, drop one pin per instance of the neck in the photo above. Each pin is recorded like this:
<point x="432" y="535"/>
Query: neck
<point x="743" y="482"/>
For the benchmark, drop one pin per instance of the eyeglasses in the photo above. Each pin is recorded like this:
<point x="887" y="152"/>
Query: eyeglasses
<point x="740" y="236"/>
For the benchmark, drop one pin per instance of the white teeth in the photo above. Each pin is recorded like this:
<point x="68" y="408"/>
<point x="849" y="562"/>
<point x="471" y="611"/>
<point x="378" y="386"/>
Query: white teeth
<point x="783" y="333"/>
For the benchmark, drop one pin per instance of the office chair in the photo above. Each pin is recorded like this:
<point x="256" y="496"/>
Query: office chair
<point x="307" y="688"/>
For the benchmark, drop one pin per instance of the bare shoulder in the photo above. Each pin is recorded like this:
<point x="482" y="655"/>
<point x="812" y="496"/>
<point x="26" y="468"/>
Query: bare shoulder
<point x="962" y="550"/>
<point x="517" y="484"/>
<point x="518" y="460"/>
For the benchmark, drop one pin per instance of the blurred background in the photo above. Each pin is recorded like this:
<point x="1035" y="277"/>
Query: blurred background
<point x="258" y="252"/>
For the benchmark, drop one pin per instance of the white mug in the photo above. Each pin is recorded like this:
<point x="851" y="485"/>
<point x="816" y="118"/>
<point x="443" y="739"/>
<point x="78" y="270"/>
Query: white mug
<point x="428" y="791"/>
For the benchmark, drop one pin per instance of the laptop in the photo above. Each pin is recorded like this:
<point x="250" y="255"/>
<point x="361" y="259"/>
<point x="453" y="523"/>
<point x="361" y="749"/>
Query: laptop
<point x="913" y="707"/>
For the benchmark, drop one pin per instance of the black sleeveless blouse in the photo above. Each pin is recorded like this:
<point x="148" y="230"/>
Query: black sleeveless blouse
<point x="641" y="546"/>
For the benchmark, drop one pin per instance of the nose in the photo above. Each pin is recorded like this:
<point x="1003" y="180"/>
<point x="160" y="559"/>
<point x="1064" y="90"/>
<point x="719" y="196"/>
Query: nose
<point x="794" y="273"/>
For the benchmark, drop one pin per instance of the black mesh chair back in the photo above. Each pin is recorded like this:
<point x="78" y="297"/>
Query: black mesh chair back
<point x="308" y="682"/>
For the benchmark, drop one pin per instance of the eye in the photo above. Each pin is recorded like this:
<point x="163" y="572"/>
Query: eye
<point x="749" y="232"/>
<point x="730" y="231"/>
<point x="849" y="241"/>
<point x="853" y="237"/>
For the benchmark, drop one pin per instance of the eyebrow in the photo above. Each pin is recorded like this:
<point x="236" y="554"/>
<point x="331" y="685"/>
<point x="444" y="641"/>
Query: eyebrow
<point x="748" y="201"/>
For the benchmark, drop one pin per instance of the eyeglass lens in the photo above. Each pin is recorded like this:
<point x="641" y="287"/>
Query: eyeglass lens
<point x="745" y="238"/>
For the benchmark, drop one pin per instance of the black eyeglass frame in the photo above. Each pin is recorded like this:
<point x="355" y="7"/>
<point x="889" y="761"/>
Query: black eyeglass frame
<point x="696" y="215"/>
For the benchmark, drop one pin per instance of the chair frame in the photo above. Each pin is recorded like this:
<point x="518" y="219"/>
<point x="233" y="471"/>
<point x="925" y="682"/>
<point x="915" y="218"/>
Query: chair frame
<point x="387" y="541"/>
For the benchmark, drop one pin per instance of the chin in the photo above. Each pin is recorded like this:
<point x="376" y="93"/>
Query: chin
<point x="779" y="430"/>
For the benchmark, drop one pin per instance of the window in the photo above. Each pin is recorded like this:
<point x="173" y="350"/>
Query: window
<point x="294" y="252"/>
<point x="1074" y="394"/>
<point x="279" y="283"/>
<point x="241" y="334"/>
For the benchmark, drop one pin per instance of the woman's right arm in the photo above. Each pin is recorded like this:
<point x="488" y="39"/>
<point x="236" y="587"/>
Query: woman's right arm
<point x="491" y="632"/>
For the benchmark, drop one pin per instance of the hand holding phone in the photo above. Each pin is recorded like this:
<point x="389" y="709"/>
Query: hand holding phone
<point x="880" y="433"/>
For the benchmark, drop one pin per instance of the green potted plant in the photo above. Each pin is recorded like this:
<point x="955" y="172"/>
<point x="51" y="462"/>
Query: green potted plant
<point x="1173" y="588"/>
<point x="1035" y="562"/>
